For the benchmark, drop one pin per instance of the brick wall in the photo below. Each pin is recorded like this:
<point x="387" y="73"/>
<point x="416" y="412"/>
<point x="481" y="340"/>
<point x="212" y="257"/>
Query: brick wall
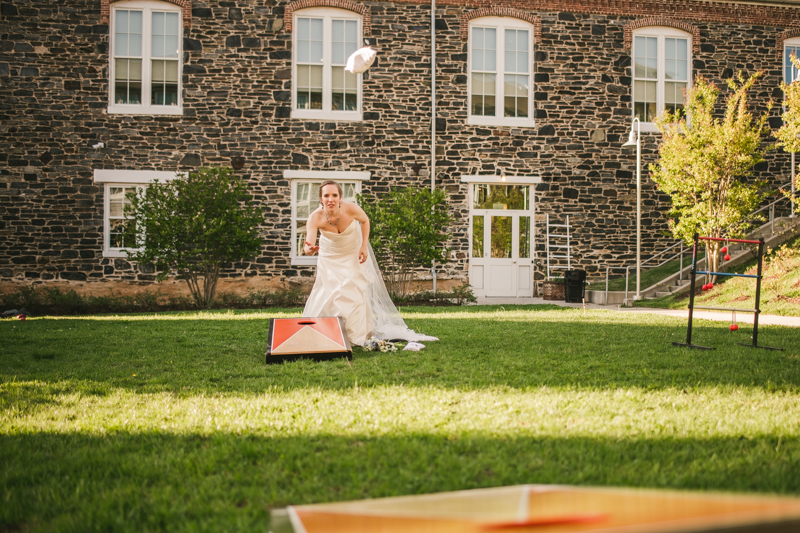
<point x="237" y="94"/>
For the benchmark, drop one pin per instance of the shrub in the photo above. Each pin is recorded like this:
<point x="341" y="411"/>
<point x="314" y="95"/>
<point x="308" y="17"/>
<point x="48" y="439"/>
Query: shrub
<point x="193" y="225"/>
<point x="407" y="232"/>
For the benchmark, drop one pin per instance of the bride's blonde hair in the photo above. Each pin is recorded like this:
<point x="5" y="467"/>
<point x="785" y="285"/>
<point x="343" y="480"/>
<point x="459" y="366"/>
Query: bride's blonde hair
<point x="330" y="182"/>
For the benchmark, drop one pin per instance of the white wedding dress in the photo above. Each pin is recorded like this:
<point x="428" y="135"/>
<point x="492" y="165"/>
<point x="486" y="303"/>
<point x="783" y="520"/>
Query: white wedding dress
<point x="355" y="291"/>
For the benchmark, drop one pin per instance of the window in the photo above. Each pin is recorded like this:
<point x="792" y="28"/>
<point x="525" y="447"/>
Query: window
<point x="116" y="185"/>
<point x="145" y="61"/>
<point x="323" y="40"/>
<point x="305" y="199"/>
<point x="116" y="200"/>
<point x="500" y="64"/>
<point x="661" y="72"/>
<point x="790" y="47"/>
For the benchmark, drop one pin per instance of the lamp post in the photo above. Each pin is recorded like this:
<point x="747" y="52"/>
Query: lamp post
<point x="634" y="139"/>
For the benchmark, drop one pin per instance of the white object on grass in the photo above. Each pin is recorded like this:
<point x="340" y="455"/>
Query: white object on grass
<point x="360" y="60"/>
<point x="414" y="346"/>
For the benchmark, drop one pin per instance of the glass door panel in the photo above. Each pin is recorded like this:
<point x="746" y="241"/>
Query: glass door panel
<point x="501" y="237"/>
<point x="524" y="237"/>
<point x="477" y="236"/>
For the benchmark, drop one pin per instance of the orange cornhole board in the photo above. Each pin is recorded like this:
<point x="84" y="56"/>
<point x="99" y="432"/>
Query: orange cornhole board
<point x="313" y="338"/>
<point x="547" y="509"/>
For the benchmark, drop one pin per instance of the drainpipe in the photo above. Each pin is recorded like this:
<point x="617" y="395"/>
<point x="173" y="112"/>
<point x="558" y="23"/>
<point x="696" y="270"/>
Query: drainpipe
<point x="433" y="117"/>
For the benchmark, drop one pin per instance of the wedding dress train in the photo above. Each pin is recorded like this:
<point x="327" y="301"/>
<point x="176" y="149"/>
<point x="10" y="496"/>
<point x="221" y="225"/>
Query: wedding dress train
<point x="355" y="291"/>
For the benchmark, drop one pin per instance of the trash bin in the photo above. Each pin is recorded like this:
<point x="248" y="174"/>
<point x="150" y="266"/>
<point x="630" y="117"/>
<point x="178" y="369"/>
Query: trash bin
<point x="574" y="285"/>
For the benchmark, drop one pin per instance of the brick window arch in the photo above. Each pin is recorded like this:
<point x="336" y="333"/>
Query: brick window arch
<point x="788" y="34"/>
<point x="185" y="5"/>
<point x="663" y="22"/>
<point x="467" y="16"/>
<point x="297" y="5"/>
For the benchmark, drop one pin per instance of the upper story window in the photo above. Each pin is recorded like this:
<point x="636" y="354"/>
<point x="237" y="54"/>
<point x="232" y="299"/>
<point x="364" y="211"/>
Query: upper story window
<point x="145" y="64"/>
<point x="500" y="67"/>
<point x="661" y="72"/>
<point x="323" y="40"/>
<point x="790" y="47"/>
<point x="305" y="199"/>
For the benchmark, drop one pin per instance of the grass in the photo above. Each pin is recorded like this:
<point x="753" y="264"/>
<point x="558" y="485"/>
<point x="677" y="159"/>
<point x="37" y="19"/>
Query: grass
<point x="780" y="286"/>
<point x="173" y="422"/>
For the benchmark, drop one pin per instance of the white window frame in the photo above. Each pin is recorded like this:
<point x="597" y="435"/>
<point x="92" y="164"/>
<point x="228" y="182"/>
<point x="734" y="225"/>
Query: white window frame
<point x="500" y="24"/>
<point x="124" y="178"/>
<point x="326" y="113"/>
<point x="661" y="33"/>
<point x="145" y="108"/>
<point x="794" y="42"/>
<point x="299" y="176"/>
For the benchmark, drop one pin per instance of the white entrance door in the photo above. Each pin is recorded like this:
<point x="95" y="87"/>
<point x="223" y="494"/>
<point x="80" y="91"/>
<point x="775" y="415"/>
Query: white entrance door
<point x="501" y="228"/>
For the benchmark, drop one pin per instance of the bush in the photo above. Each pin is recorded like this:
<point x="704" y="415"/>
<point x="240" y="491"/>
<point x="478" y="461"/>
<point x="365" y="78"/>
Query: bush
<point x="407" y="232"/>
<point x="193" y="225"/>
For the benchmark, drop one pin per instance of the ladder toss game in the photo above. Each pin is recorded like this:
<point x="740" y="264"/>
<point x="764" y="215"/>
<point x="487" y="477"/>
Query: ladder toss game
<point x="756" y="310"/>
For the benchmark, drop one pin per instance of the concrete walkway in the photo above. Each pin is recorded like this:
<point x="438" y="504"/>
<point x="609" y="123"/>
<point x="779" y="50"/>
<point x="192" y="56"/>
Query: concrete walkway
<point x="744" y="318"/>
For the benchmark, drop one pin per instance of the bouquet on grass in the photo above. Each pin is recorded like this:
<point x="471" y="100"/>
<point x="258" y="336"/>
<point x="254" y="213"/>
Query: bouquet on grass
<point x="374" y="344"/>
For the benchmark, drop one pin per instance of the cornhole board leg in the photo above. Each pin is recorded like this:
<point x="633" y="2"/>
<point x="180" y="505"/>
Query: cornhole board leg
<point x="319" y="339"/>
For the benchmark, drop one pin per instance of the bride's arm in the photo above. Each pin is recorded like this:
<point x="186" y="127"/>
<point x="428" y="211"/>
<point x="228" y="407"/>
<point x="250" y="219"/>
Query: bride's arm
<point x="362" y="217"/>
<point x="312" y="225"/>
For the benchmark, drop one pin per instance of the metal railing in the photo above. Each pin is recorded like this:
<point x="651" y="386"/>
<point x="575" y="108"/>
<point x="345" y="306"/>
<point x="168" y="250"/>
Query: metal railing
<point x="770" y="206"/>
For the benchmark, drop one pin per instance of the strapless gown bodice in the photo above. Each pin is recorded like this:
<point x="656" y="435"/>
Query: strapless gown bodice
<point x="341" y="285"/>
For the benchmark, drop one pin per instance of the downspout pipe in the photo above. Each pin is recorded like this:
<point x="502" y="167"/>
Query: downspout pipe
<point x="433" y="117"/>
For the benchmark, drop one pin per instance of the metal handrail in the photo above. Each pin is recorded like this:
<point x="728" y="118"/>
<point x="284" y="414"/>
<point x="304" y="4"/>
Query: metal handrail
<point x="770" y="206"/>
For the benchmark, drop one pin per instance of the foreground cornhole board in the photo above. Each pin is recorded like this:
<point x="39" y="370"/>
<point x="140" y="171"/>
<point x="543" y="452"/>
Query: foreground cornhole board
<point x="548" y="509"/>
<point x="312" y="338"/>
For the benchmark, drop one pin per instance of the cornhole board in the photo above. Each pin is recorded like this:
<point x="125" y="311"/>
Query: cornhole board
<point x="318" y="338"/>
<point x="548" y="509"/>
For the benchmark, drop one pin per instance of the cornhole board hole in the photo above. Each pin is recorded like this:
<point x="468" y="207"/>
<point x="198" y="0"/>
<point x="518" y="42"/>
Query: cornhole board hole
<point x="319" y="338"/>
<point x="548" y="509"/>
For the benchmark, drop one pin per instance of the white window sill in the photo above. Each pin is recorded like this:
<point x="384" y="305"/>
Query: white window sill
<point x="350" y="116"/>
<point x="304" y="261"/>
<point x="649" y="127"/>
<point x="116" y="253"/>
<point x="494" y="121"/>
<point x="144" y="110"/>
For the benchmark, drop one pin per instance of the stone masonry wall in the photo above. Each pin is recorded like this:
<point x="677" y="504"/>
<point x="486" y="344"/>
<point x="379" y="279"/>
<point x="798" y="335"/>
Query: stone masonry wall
<point x="237" y="98"/>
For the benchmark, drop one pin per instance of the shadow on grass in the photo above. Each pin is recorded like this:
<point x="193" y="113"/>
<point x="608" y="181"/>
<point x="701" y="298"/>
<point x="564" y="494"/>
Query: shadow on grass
<point x="520" y="347"/>
<point x="223" y="482"/>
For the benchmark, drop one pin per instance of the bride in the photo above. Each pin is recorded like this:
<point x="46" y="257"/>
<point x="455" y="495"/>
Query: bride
<point x="349" y="283"/>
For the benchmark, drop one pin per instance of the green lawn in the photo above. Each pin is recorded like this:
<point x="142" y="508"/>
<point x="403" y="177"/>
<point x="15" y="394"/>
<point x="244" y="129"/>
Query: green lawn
<point x="174" y="423"/>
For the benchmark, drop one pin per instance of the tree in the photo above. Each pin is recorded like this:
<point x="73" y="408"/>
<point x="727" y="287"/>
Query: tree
<point x="704" y="162"/>
<point x="407" y="232"/>
<point x="193" y="225"/>
<point x="789" y="134"/>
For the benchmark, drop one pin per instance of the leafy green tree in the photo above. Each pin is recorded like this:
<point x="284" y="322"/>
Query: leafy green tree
<point x="789" y="134"/>
<point x="407" y="231"/>
<point x="704" y="162"/>
<point x="193" y="225"/>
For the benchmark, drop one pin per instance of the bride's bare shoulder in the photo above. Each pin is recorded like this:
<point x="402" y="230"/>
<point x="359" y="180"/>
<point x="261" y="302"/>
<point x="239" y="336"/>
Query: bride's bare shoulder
<point x="315" y="215"/>
<point x="351" y="208"/>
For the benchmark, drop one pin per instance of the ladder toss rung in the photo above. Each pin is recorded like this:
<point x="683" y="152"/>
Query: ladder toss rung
<point x="707" y="308"/>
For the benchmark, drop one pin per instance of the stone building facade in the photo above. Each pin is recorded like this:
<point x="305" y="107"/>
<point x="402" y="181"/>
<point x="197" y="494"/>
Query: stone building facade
<point x="69" y="144"/>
